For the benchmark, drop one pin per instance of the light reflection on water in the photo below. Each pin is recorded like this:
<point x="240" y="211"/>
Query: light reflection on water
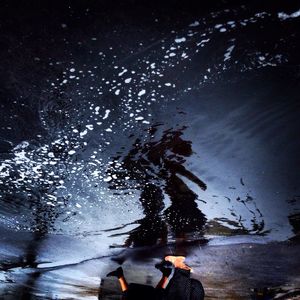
<point x="171" y="148"/>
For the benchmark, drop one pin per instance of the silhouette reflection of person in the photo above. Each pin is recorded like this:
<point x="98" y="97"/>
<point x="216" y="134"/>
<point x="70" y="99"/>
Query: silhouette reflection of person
<point x="152" y="228"/>
<point x="155" y="167"/>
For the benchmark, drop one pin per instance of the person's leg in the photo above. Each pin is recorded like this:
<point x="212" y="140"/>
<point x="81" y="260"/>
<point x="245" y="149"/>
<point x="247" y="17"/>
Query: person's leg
<point x="120" y="275"/>
<point x="197" y="290"/>
<point x="162" y="283"/>
<point x="179" y="287"/>
<point x="166" y="271"/>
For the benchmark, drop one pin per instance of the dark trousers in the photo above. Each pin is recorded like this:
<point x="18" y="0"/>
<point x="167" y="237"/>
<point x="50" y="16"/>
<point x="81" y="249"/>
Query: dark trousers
<point x="180" y="287"/>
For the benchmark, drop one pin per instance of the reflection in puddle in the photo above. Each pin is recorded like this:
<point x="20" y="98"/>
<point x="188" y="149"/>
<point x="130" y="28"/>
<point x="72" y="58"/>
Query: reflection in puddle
<point x="72" y="206"/>
<point x="153" y="167"/>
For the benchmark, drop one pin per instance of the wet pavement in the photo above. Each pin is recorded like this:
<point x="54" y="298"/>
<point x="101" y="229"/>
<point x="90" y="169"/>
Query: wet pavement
<point x="128" y="132"/>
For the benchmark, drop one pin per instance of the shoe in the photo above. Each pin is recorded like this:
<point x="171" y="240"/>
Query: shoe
<point x="165" y="267"/>
<point x="116" y="273"/>
<point x="178" y="262"/>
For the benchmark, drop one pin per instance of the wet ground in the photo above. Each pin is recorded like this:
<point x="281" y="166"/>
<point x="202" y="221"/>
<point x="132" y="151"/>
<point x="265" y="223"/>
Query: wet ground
<point x="134" y="130"/>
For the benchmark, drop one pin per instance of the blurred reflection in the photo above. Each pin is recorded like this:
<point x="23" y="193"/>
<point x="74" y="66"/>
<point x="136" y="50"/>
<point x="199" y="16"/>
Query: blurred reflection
<point x="156" y="167"/>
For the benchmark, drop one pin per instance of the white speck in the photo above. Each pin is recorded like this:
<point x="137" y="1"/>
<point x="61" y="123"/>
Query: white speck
<point x="22" y="145"/>
<point x="97" y="109"/>
<point x="228" y="53"/>
<point x="168" y="84"/>
<point x="121" y="73"/>
<point x="117" y="92"/>
<point x="172" y="54"/>
<point x="90" y="127"/>
<point x="71" y="152"/>
<point x="152" y="66"/>
<point x="261" y="58"/>
<point x="128" y="80"/>
<point x="180" y="40"/>
<point x="50" y="154"/>
<point x="75" y="131"/>
<point x="107" y="111"/>
<point x="108" y="130"/>
<point x="65" y="81"/>
<point x="107" y="179"/>
<point x="64" y="25"/>
<point x="184" y="55"/>
<point x="223" y="29"/>
<point x="142" y="92"/>
<point x="139" y="118"/>
<point x="201" y="43"/>
<point x="95" y="173"/>
<point x="218" y="26"/>
<point x="83" y="133"/>
<point x="194" y="24"/>
<point x="78" y="205"/>
<point x="72" y="70"/>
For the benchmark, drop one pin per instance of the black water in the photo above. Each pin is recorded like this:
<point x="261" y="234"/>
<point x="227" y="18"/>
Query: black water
<point x="135" y="129"/>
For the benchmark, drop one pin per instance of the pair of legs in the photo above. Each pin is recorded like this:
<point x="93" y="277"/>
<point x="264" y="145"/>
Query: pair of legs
<point x="176" y="261"/>
<point x="162" y="282"/>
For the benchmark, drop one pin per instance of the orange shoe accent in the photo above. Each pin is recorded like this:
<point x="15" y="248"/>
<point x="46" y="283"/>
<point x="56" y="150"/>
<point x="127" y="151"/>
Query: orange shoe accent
<point x="178" y="262"/>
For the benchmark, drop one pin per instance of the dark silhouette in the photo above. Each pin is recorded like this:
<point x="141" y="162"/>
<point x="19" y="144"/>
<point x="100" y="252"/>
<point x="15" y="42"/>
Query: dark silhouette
<point x="154" y="167"/>
<point x="180" y="287"/>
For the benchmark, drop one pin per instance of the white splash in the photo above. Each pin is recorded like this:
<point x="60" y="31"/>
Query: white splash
<point x="180" y="40"/>
<point x="123" y="72"/>
<point x="142" y="92"/>
<point x="107" y="112"/>
<point x="284" y="16"/>
<point x="227" y="55"/>
<point x="194" y="24"/>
